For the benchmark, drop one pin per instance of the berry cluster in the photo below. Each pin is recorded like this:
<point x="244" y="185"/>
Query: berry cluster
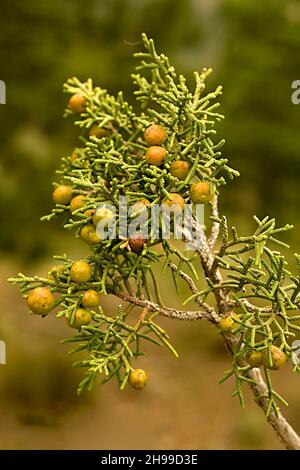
<point x="165" y="155"/>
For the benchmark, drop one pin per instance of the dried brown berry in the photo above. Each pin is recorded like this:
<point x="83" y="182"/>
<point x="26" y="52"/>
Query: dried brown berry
<point x="136" y="243"/>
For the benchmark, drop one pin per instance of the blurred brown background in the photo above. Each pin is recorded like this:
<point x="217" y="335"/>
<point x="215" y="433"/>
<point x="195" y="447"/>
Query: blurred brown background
<point x="254" y="50"/>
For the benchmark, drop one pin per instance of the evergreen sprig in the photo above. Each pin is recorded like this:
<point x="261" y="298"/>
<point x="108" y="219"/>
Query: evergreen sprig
<point x="248" y="279"/>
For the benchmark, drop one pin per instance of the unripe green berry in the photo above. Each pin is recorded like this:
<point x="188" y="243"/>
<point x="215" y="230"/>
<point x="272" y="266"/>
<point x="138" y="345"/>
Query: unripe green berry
<point x="278" y="358"/>
<point x="138" y="379"/>
<point x="62" y="194"/>
<point x="80" y="272"/>
<point x="155" y="155"/>
<point x="40" y="300"/>
<point x="82" y="317"/>
<point x="254" y="358"/>
<point x="155" y="135"/>
<point x="180" y="169"/>
<point x="90" y="299"/>
<point x="201" y="192"/>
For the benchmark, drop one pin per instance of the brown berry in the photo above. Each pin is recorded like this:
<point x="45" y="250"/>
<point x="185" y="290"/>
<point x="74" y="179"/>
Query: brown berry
<point x="138" y="379"/>
<point x="77" y="202"/>
<point x="80" y="272"/>
<point x="136" y="243"/>
<point x="278" y="358"/>
<point x="201" y="192"/>
<point x="40" y="300"/>
<point x="155" y="155"/>
<point x="82" y="317"/>
<point x="62" y="194"/>
<point x="77" y="103"/>
<point x="180" y="169"/>
<point x="155" y="135"/>
<point x="90" y="299"/>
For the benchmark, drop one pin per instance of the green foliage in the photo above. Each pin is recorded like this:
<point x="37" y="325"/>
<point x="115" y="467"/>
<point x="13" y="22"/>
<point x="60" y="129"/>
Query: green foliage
<point x="256" y="282"/>
<point x="40" y="45"/>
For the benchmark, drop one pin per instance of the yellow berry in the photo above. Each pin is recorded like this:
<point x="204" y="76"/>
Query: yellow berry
<point x="82" y="317"/>
<point x="89" y="235"/>
<point x="74" y="156"/>
<point x="138" y="379"/>
<point x="155" y="155"/>
<point x="89" y="212"/>
<point x="176" y="203"/>
<point x="155" y="135"/>
<point x="90" y="299"/>
<point x="55" y="270"/>
<point x="140" y="204"/>
<point x="254" y="358"/>
<point x="77" y="103"/>
<point x="77" y="202"/>
<point x="278" y="358"/>
<point x="80" y="272"/>
<point x="103" y="214"/>
<point x="99" y="132"/>
<point x="201" y="192"/>
<point x="180" y="169"/>
<point x="62" y="194"/>
<point x="228" y="323"/>
<point x="40" y="300"/>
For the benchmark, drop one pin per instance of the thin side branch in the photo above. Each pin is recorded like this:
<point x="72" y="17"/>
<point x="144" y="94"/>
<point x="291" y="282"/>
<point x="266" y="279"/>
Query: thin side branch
<point x="168" y="311"/>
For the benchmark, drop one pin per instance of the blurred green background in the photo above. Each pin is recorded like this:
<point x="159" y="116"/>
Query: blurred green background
<point x="253" y="48"/>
